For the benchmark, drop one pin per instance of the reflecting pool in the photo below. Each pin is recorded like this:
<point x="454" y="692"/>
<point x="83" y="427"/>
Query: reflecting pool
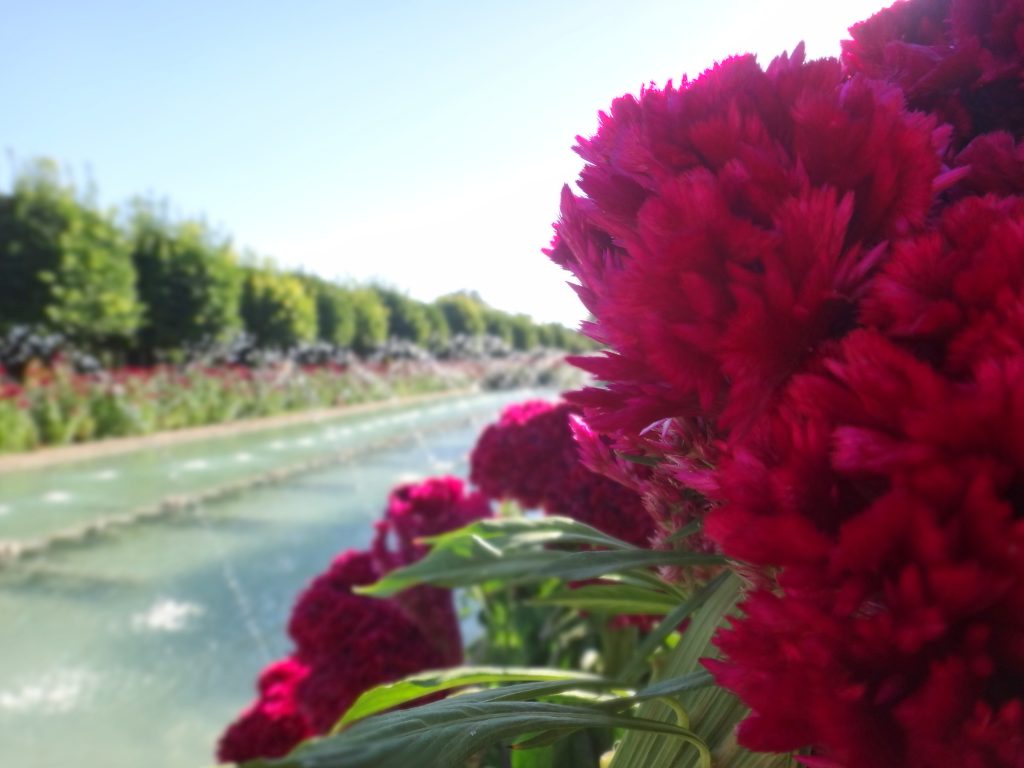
<point x="136" y="646"/>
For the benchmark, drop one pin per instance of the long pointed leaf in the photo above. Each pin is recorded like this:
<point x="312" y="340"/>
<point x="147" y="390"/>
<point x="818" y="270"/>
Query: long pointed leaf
<point x="616" y="598"/>
<point x="446" y="733"/>
<point x="391" y="695"/>
<point x="477" y="562"/>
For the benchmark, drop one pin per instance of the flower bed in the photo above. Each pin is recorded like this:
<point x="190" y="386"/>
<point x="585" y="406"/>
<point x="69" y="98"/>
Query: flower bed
<point x="57" y="406"/>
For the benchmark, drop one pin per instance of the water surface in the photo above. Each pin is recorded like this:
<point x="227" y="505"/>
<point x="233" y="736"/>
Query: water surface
<point x="134" y="649"/>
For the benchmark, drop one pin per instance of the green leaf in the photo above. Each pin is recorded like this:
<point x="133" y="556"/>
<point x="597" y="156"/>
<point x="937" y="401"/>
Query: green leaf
<point x="391" y="695"/>
<point x="674" y="686"/>
<point x="617" y="598"/>
<point x="649" y="461"/>
<point x="670" y="623"/>
<point x="522" y="531"/>
<point x="712" y="711"/>
<point x="589" y="565"/>
<point x="691" y="528"/>
<point x="510" y="550"/>
<point x="446" y="733"/>
<point x="477" y="561"/>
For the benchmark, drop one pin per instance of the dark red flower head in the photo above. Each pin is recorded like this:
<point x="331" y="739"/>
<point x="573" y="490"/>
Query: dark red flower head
<point x="730" y="227"/>
<point x="415" y="510"/>
<point x="531" y="456"/>
<point x="273" y="725"/>
<point x="887" y="499"/>
<point x="962" y="60"/>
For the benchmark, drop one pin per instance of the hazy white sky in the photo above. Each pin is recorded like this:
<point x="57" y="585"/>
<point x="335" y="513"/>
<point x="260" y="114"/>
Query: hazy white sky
<point x="422" y="143"/>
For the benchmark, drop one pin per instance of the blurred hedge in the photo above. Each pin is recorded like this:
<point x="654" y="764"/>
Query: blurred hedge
<point x="151" y="287"/>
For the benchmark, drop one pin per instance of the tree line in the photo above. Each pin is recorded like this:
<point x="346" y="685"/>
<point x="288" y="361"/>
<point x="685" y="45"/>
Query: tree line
<point x="141" y="286"/>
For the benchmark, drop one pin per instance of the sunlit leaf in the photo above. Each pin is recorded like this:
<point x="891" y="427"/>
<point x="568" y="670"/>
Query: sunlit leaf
<point x="446" y="733"/>
<point x="385" y="697"/>
<point x="614" y="598"/>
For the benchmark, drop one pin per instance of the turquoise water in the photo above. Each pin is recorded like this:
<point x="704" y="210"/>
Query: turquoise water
<point x="136" y="647"/>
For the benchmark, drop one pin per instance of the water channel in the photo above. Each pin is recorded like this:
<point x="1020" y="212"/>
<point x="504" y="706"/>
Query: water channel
<point x="133" y="647"/>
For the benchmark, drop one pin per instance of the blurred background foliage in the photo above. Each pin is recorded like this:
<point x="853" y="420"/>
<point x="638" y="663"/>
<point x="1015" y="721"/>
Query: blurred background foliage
<point x="146" y="287"/>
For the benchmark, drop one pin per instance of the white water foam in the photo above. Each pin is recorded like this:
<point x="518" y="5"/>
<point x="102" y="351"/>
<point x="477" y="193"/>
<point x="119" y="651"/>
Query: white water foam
<point x="57" y="497"/>
<point x="195" y="465"/>
<point x="5" y="509"/>
<point x="243" y="457"/>
<point x="166" y="615"/>
<point x="107" y="474"/>
<point x="54" y="692"/>
<point x="278" y="445"/>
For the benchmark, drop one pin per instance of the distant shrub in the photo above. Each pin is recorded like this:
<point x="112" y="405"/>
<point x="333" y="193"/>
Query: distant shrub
<point x="464" y="314"/>
<point x="371" y="320"/>
<point x="407" y="318"/>
<point x="276" y="309"/>
<point x="189" y="282"/>
<point x="63" y="263"/>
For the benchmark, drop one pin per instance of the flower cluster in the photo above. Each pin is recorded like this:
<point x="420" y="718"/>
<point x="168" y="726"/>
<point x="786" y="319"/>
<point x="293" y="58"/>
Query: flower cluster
<point x="530" y="456"/>
<point x="810" y="279"/>
<point x="347" y="643"/>
<point x="959" y="59"/>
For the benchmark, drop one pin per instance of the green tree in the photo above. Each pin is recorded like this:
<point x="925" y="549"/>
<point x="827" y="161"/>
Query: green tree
<point x="335" y="311"/>
<point x="548" y="335"/>
<point x="498" y="323"/>
<point x="407" y="318"/>
<point x="63" y="263"/>
<point x="371" y="320"/>
<point x="276" y="308"/>
<point x="463" y="313"/>
<point x="439" y="330"/>
<point x="524" y="332"/>
<point x="188" y="279"/>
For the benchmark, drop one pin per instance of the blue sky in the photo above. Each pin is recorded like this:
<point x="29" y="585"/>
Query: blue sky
<point x="420" y="143"/>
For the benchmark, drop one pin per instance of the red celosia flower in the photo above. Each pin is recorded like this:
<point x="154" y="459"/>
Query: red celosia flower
<point x="273" y="725"/>
<point x="956" y="294"/>
<point x="889" y="495"/>
<point x="530" y="455"/>
<point x="729" y="228"/>
<point x="416" y="510"/>
<point x="960" y="59"/>
<point x="523" y="455"/>
<point x="366" y="643"/>
<point x="347" y="643"/>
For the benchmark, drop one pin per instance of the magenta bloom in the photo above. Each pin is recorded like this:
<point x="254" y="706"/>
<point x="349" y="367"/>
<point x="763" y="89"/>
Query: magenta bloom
<point x="962" y="60"/>
<point x="416" y="510"/>
<point x="531" y="456"/>
<point x="730" y="228"/>
<point x="347" y="643"/>
<point x="273" y="725"/>
<point x="955" y="294"/>
<point x="900" y="602"/>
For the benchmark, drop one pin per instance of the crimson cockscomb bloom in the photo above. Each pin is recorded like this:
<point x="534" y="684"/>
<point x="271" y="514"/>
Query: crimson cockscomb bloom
<point x="955" y="294"/>
<point x="366" y="643"/>
<point x="894" y="525"/>
<point x="729" y="227"/>
<point x="347" y="643"/>
<point x="273" y="725"/>
<point x="531" y="456"/>
<point x="414" y="511"/>
<point x="428" y="508"/>
<point x="524" y="454"/>
<point x="962" y="60"/>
